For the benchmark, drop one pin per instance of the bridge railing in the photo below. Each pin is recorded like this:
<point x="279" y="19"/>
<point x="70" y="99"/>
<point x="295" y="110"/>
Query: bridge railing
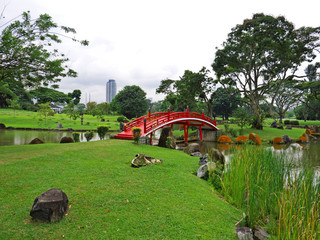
<point x="152" y="120"/>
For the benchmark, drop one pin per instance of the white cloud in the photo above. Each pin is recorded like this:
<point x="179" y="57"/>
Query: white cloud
<point x="142" y="42"/>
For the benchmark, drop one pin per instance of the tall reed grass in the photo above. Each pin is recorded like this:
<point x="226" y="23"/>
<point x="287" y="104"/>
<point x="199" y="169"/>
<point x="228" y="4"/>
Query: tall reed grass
<point x="273" y="193"/>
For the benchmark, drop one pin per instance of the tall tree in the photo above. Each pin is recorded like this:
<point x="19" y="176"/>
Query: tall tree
<point x="191" y="87"/>
<point x="28" y="57"/>
<point x="131" y="102"/>
<point x="75" y="96"/>
<point x="225" y="101"/>
<point x="261" y="54"/>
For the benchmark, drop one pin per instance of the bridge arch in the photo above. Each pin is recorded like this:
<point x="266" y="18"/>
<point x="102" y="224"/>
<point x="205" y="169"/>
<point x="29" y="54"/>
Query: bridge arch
<point x="152" y="122"/>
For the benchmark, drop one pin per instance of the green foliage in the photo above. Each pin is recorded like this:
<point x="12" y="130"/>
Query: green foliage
<point x="168" y="142"/>
<point x="131" y="102"/>
<point x="104" y="108"/>
<point x="136" y="131"/>
<point x="75" y="96"/>
<point x="189" y="89"/>
<point x="226" y="127"/>
<point x="45" y="111"/>
<point x="224" y="101"/>
<point x="259" y="55"/>
<point x="14" y="104"/>
<point x="88" y="135"/>
<point x="76" y="136"/>
<point x="233" y="132"/>
<point x="44" y="95"/>
<point x="121" y="119"/>
<point x="271" y="192"/>
<point x="102" y="131"/>
<point x="242" y="117"/>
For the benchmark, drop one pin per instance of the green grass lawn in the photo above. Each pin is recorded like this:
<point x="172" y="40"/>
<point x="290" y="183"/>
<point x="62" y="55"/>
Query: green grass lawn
<point x="28" y="119"/>
<point x="109" y="199"/>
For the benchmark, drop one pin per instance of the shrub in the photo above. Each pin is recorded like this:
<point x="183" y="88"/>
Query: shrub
<point x="102" y="131"/>
<point x="168" y="142"/>
<point x="136" y="132"/>
<point x="224" y="139"/>
<point x="88" y="135"/>
<point x="302" y="139"/>
<point x="226" y="127"/>
<point x="278" y="140"/>
<point x="241" y="139"/>
<point x="121" y="119"/>
<point x="241" y="132"/>
<point x="233" y="132"/>
<point x="296" y="123"/>
<point x="286" y="122"/>
<point x="255" y="138"/>
<point x="76" y="136"/>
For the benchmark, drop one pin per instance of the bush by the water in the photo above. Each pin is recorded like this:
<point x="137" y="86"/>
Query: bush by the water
<point x="88" y="135"/>
<point x="102" y="131"/>
<point x="76" y="136"/>
<point x="136" y="131"/>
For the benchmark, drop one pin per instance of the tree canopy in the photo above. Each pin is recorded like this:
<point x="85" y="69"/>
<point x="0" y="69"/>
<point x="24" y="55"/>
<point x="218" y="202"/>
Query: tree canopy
<point x="189" y="89"/>
<point x="28" y="57"/>
<point x="262" y="53"/>
<point x="131" y="102"/>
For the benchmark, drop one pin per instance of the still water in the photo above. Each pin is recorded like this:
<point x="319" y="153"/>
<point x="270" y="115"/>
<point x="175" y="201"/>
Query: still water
<point x="21" y="137"/>
<point x="299" y="153"/>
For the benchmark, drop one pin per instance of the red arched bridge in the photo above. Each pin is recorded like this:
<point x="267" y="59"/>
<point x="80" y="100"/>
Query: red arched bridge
<point x="154" y="121"/>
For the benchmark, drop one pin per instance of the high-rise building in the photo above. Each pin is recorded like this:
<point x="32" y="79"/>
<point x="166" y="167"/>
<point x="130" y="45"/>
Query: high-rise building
<point x="111" y="90"/>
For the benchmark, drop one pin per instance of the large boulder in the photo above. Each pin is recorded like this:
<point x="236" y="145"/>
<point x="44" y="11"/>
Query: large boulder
<point x="66" y="140"/>
<point x="244" y="233"/>
<point x="287" y="139"/>
<point x="165" y="133"/>
<point x="143" y="160"/>
<point x="204" y="159"/>
<point x="217" y="156"/>
<point x="36" y="141"/>
<point x="205" y="169"/>
<point x="274" y="124"/>
<point x="192" y="147"/>
<point x="50" y="206"/>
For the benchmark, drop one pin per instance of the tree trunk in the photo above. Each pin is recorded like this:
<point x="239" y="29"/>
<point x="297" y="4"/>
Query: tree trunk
<point x="258" y="113"/>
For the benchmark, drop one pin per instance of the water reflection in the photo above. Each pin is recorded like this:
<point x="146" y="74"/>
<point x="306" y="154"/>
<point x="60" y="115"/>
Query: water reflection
<point x="299" y="153"/>
<point x="21" y="137"/>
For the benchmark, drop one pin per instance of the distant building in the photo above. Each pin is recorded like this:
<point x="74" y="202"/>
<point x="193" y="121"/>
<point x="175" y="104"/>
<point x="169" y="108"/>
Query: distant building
<point x="111" y="90"/>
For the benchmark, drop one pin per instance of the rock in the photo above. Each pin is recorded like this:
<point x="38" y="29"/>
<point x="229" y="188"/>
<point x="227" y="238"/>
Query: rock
<point x="217" y="156"/>
<point x="313" y="128"/>
<point x="196" y="154"/>
<point x="244" y="233"/>
<point x="50" y="206"/>
<point x="36" y="141"/>
<point x="203" y="171"/>
<point x="274" y="124"/>
<point x="261" y="233"/>
<point x="142" y="160"/>
<point x="2" y="126"/>
<point x="165" y="133"/>
<point x="66" y="140"/>
<point x="59" y="125"/>
<point x="191" y="148"/>
<point x="103" y="120"/>
<point x="204" y="159"/>
<point x="287" y="139"/>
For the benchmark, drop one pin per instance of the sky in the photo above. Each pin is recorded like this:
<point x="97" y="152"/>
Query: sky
<point x="141" y="42"/>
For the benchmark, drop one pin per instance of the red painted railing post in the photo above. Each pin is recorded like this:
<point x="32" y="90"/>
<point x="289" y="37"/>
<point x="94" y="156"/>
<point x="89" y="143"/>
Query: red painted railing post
<point x="169" y="111"/>
<point x="144" y="125"/>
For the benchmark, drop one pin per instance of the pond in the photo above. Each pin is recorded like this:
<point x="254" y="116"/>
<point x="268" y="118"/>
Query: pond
<point x="21" y="137"/>
<point x="299" y="153"/>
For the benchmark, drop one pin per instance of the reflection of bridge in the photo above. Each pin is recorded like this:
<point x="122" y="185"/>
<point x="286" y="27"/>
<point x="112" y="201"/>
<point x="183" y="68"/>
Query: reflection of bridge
<point x="152" y="122"/>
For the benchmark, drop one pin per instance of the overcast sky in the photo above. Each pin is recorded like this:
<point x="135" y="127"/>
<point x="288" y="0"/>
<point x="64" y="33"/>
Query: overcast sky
<point x="141" y="42"/>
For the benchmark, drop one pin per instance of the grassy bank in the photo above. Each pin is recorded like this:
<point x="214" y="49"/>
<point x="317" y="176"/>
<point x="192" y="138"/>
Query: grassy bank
<point x="274" y="193"/>
<point x="109" y="199"/>
<point x="28" y="119"/>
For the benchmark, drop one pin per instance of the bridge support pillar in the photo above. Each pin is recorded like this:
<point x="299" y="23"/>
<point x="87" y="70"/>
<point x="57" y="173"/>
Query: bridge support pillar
<point x="200" y="132"/>
<point x="186" y="130"/>
<point x="209" y="135"/>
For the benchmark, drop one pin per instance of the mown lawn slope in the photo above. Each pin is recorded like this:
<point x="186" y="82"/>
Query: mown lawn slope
<point x="107" y="198"/>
